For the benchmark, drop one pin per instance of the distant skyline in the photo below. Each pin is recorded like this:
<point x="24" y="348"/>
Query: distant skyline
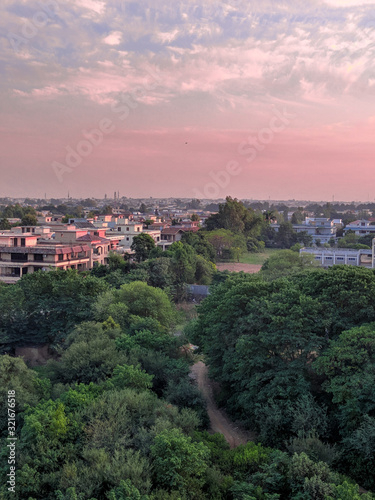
<point x="188" y="98"/>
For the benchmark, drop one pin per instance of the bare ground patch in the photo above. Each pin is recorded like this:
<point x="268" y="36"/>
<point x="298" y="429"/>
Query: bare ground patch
<point x="238" y="266"/>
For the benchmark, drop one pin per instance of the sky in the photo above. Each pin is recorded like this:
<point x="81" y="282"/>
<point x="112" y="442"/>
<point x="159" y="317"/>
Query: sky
<point x="188" y="98"/>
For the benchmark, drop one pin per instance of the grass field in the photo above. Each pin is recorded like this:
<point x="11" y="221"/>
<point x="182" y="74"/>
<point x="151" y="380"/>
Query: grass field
<point x="257" y="258"/>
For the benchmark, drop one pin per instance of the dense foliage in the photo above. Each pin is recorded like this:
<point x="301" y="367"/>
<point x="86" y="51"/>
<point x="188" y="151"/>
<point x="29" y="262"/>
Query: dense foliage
<point x="295" y="357"/>
<point x="114" y="415"/>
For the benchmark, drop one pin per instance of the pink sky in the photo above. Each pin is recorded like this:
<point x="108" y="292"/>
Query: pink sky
<point x="208" y="73"/>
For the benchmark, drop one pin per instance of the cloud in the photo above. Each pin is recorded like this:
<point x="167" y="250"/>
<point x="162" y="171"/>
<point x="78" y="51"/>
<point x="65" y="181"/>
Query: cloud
<point x="219" y="64"/>
<point x="113" y="38"/>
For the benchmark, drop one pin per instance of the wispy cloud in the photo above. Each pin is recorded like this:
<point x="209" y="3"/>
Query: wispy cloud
<point x="222" y="65"/>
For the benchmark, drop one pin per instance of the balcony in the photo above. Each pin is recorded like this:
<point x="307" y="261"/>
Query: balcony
<point x="18" y="257"/>
<point x="9" y="280"/>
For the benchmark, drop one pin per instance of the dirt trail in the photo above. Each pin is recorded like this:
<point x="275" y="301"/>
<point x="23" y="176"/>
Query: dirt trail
<point x="219" y="420"/>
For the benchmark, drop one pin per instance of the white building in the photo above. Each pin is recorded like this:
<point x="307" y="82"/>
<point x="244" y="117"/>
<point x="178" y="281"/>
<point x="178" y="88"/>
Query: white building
<point x="360" y="227"/>
<point x="327" y="257"/>
<point x="319" y="228"/>
<point x="128" y="230"/>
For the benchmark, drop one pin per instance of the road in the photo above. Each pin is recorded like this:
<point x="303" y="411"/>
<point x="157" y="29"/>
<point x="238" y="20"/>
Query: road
<point x="218" y="418"/>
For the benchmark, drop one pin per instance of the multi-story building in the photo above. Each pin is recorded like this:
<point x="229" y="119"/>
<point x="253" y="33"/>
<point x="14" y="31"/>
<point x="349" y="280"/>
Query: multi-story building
<point x="318" y="228"/>
<point x="22" y="253"/>
<point x="127" y="231"/>
<point x="172" y="234"/>
<point x="96" y="239"/>
<point x="361" y="227"/>
<point x="25" y="250"/>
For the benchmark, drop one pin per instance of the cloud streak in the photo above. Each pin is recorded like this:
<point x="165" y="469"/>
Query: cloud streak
<point x="222" y="67"/>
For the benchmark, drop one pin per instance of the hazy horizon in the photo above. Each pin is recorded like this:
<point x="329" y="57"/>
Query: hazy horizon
<point x="195" y="98"/>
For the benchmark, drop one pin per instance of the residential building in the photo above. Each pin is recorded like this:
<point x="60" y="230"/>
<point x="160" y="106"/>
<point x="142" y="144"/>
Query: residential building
<point x="22" y="254"/>
<point x="172" y="234"/>
<point x="319" y="228"/>
<point x="95" y="238"/>
<point x="361" y="227"/>
<point x="127" y="231"/>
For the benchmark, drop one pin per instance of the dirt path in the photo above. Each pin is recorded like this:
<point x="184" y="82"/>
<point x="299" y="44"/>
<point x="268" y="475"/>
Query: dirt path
<point x="219" y="420"/>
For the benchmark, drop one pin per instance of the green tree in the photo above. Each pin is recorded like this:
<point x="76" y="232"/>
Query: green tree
<point x="285" y="263"/>
<point x="5" y="224"/>
<point x="161" y="273"/>
<point x="226" y="243"/>
<point x="146" y="301"/>
<point x="184" y="262"/>
<point x="285" y="236"/>
<point x="234" y="216"/>
<point x="131" y="376"/>
<point x="91" y="355"/>
<point x="178" y="462"/>
<point x="29" y="389"/>
<point x="29" y="220"/>
<point x="142" y="245"/>
<point x="200" y="244"/>
<point x="204" y="271"/>
<point x="126" y="491"/>
<point x="347" y="293"/>
<point x="44" y="307"/>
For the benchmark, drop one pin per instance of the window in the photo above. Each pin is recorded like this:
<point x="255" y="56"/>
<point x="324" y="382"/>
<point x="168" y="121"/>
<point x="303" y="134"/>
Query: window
<point x="127" y="229"/>
<point x="119" y="229"/>
<point x="61" y="257"/>
<point x="352" y="258"/>
<point x="340" y="258"/>
<point x="127" y="238"/>
<point x="18" y="257"/>
<point x="38" y="257"/>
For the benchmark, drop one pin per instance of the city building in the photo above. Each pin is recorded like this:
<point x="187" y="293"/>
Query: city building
<point x="361" y="227"/>
<point x="22" y="254"/>
<point x="319" y="228"/>
<point x="327" y="257"/>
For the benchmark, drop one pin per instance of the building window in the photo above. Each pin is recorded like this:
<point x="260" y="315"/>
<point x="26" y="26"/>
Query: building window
<point x="18" y="257"/>
<point x="38" y="257"/>
<point x="119" y="229"/>
<point x="127" y="238"/>
<point x="61" y="257"/>
<point x="127" y="229"/>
